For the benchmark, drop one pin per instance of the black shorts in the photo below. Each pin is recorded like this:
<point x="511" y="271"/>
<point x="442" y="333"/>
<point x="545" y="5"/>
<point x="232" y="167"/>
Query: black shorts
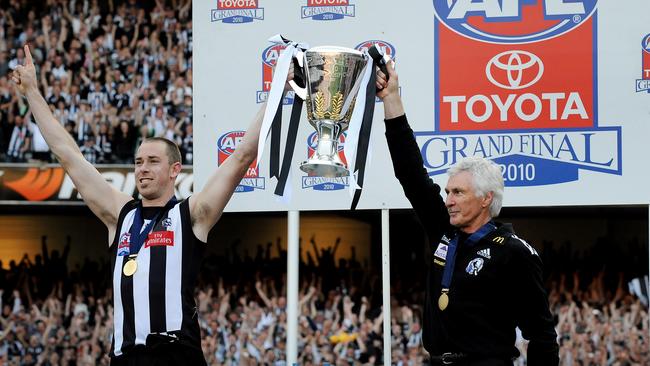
<point x="168" y="354"/>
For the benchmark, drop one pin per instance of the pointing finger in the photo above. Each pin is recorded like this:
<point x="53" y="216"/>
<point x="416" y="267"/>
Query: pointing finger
<point x="28" y="56"/>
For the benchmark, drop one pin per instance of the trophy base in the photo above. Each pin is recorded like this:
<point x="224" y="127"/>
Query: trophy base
<point x="323" y="168"/>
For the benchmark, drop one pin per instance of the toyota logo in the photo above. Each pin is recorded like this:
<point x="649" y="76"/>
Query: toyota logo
<point x="514" y="69"/>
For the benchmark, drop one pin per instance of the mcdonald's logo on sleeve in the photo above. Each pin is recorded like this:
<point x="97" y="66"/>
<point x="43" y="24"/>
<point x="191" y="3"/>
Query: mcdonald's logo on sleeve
<point x="498" y="239"/>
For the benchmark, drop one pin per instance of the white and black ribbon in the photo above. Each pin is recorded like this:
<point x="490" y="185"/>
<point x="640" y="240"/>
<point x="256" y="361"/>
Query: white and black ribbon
<point x="363" y="144"/>
<point x="272" y="122"/>
<point x="359" y="132"/>
<point x="292" y="133"/>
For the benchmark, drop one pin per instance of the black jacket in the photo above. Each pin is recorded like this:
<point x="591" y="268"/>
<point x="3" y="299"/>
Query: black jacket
<point x="496" y="284"/>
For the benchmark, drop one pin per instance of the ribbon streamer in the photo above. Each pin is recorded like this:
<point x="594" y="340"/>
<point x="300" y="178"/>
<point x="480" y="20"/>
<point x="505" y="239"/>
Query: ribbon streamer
<point x="277" y="88"/>
<point x="354" y="128"/>
<point x="276" y="129"/>
<point x="290" y="145"/>
<point x="364" y="132"/>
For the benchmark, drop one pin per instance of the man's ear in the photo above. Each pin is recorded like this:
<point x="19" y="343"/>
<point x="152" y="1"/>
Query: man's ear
<point x="487" y="199"/>
<point x="176" y="169"/>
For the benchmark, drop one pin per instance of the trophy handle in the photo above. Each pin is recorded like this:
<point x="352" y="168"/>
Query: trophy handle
<point x="298" y="83"/>
<point x="380" y="59"/>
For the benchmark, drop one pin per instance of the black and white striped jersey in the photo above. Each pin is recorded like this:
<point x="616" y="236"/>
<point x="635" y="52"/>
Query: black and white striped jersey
<point x="158" y="297"/>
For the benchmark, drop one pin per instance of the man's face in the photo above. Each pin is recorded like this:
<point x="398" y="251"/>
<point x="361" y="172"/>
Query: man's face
<point x="153" y="173"/>
<point x="466" y="209"/>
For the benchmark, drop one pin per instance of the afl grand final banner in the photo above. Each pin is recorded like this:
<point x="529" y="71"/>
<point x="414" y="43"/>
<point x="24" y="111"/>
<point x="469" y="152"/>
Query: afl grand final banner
<point x="556" y="92"/>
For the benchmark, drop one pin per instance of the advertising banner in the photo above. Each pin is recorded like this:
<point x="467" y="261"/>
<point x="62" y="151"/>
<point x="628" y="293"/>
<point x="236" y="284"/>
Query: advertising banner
<point x="554" y="91"/>
<point x="49" y="184"/>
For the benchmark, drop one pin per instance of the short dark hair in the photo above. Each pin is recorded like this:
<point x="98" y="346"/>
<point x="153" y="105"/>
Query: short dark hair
<point x="173" y="152"/>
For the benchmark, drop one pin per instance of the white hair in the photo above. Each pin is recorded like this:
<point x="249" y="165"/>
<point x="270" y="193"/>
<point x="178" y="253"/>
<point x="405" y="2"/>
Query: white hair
<point x="486" y="177"/>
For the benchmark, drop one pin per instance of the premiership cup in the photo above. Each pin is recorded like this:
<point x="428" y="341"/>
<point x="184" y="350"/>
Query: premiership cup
<point x="332" y="77"/>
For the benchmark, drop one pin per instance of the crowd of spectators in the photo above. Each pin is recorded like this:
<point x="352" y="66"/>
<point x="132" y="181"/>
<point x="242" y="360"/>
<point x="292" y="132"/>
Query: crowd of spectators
<point x="597" y="330"/>
<point x="113" y="72"/>
<point x="54" y="316"/>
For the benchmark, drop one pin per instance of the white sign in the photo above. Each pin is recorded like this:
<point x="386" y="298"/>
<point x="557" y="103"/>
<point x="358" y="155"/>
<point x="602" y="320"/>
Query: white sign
<point x="553" y="91"/>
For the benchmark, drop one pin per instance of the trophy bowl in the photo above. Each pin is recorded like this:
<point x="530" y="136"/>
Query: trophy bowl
<point x="332" y="80"/>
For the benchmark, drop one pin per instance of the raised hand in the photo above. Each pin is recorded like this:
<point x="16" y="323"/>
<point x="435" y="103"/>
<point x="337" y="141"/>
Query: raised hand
<point x="389" y="92"/>
<point x="390" y="86"/>
<point x="24" y="76"/>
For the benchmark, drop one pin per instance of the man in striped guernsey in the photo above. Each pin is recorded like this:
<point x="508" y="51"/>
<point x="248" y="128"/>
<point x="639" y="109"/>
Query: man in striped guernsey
<point x="156" y="243"/>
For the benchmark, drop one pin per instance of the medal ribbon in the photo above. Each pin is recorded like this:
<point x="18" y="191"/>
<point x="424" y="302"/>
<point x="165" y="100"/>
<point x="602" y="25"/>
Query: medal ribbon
<point x="137" y="234"/>
<point x="451" y="252"/>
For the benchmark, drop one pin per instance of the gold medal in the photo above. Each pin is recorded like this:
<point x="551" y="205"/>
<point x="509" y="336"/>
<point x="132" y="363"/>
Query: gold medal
<point x="130" y="267"/>
<point x="443" y="300"/>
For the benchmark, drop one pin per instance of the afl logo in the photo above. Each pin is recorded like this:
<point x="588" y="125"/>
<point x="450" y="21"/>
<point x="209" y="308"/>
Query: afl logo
<point x="513" y="21"/>
<point x="228" y="142"/>
<point x="384" y="46"/>
<point x="514" y="69"/>
<point x="271" y="54"/>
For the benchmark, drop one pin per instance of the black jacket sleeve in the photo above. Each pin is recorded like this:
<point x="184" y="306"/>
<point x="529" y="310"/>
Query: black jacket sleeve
<point x="420" y="190"/>
<point x="534" y="317"/>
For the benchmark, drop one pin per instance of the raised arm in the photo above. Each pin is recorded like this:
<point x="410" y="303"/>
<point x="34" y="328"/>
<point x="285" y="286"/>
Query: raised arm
<point x="336" y="246"/>
<point x="262" y="294"/>
<point x="305" y="299"/>
<point x="102" y="199"/>
<point x="312" y="240"/>
<point x="407" y="160"/>
<point x="207" y="205"/>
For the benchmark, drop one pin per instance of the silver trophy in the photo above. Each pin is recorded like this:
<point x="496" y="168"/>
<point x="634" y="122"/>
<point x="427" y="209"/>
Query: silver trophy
<point x="332" y="79"/>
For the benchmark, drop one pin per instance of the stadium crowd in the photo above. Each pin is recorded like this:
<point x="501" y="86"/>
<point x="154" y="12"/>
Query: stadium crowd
<point x="54" y="316"/>
<point x="113" y="72"/>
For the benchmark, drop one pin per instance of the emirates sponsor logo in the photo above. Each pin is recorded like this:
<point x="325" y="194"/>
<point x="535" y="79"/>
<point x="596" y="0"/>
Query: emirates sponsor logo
<point x="160" y="238"/>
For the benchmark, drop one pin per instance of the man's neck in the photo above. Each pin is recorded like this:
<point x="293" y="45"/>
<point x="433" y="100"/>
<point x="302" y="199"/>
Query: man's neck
<point x="477" y="224"/>
<point x="157" y="202"/>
